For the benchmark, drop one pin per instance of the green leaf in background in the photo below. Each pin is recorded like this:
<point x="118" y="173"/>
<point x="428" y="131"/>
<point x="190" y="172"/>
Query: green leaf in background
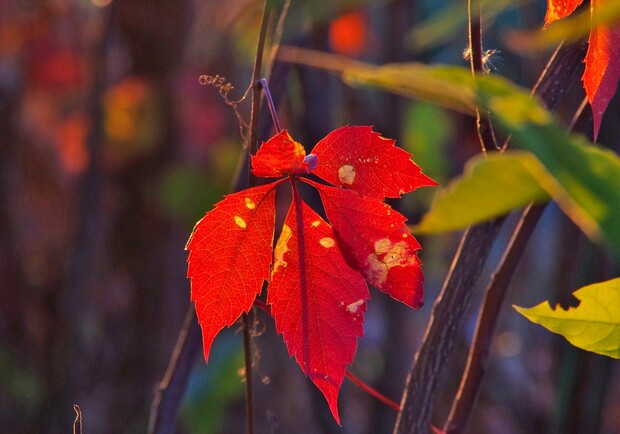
<point x="489" y="188"/>
<point x="447" y="86"/>
<point x="427" y="129"/>
<point x="450" y="23"/>
<point x="594" y="325"/>
<point x="585" y="179"/>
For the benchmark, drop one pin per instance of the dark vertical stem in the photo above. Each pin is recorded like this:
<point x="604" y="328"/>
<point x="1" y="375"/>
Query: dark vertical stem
<point x="252" y="148"/>
<point x="487" y="319"/>
<point x="477" y="360"/>
<point x="447" y="317"/>
<point x="436" y="349"/>
<point x="484" y="128"/>
<point x="168" y="395"/>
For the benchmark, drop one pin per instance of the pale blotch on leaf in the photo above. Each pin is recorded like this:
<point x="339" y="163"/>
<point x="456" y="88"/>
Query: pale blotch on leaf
<point x="346" y="174"/>
<point x="353" y="307"/>
<point x="281" y="249"/>
<point x="327" y="242"/>
<point x="240" y="222"/>
<point x="316" y="223"/>
<point x="249" y="203"/>
<point x="386" y="256"/>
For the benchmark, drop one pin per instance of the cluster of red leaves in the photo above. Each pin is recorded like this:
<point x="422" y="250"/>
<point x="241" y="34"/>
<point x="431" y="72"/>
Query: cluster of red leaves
<point x="602" y="73"/>
<point x="317" y="270"/>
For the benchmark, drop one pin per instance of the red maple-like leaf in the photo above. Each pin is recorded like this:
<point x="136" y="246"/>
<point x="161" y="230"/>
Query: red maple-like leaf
<point x="375" y="241"/>
<point x="602" y="71"/>
<point x="230" y="257"/>
<point x="362" y="160"/>
<point x="280" y="155"/>
<point x="316" y="274"/>
<point x="316" y="300"/>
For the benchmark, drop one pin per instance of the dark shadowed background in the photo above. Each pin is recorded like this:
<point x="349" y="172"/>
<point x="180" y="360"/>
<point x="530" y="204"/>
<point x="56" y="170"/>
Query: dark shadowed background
<point x="111" y="150"/>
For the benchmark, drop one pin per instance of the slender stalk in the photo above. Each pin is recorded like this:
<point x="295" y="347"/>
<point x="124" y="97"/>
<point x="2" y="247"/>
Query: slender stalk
<point x="430" y="360"/>
<point x="477" y="360"/>
<point x="168" y="394"/>
<point x="252" y="148"/>
<point x="270" y="103"/>
<point x="374" y="393"/>
<point x="484" y="128"/>
<point x="487" y="319"/>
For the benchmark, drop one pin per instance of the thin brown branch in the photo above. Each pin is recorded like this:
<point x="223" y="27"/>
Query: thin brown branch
<point x="477" y="360"/>
<point x="487" y="319"/>
<point x="170" y="390"/>
<point x="446" y="320"/>
<point x="252" y="148"/>
<point x="448" y="312"/>
<point x="484" y="127"/>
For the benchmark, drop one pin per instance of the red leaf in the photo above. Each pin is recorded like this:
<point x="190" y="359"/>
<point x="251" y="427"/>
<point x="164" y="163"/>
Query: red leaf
<point x="279" y="156"/>
<point x="368" y="163"/>
<point x="375" y="241"/>
<point x="317" y="301"/>
<point x="600" y="78"/>
<point x="230" y="256"/>
<point x="558" y="9"/>
<point x="602" y="73"/>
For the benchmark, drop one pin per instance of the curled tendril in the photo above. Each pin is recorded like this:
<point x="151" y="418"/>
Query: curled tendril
<point x="224" y="87"/>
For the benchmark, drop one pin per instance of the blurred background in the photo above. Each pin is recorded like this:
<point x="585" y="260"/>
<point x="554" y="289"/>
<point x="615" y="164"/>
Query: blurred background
<point x="111" y="150"/>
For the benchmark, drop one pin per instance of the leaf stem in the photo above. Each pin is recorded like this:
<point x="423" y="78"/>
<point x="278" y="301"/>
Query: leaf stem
<point x="376" y="394"/>
<point x="272" y="106"/>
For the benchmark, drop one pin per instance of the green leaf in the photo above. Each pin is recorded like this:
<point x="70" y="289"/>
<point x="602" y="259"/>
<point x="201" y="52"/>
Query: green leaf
<point x="594" y="325"/>
<point x="490" y="187"/>
<point x="450" y="23"/>
<point x="427" y="130"/>
<point x="585" y="180"/>
<point x="441" y="85"/>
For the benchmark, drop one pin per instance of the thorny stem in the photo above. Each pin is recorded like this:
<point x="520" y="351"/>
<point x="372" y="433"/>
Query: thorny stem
<point x="272" y="106"/>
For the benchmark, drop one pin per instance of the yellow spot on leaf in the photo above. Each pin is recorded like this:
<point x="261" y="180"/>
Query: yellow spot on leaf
<point x="346" y="174"/>
<point x="386" y="256"/>
<point x="316" y="223"/>
<point x="281" y="249"/>
<point x="249" y="203"/>
<point x="240" y="222"/>
<point x="327" y="242"/>
<point x="353" y="307"/>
